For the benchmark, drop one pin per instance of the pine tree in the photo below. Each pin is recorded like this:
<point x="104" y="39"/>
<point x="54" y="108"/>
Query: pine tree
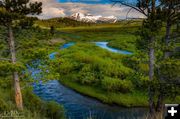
<point x="170" y="15"/>
<point x="12" y="11"/>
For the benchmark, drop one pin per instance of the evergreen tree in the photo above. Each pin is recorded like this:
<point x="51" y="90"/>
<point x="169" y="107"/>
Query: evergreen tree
<point x="170" y="15"/>
<point x="149" y="30"/>
<point x="11" y="12"/>
<point x="52" y="30"/>
<point x="158" y="13"/>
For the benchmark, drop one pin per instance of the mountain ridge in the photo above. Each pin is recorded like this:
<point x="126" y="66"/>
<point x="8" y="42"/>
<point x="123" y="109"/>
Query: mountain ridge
<point x="92" y="18"/>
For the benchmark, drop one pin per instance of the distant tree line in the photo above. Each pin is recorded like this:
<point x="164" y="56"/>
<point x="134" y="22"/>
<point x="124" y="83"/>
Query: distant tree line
<point x="62" y="22"/>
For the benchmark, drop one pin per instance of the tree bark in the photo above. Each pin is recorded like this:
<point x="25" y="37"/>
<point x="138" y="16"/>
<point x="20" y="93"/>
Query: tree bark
<point x="151" y="75"/>
<point x="160" y="106"/>
<point x="167" y="39"/>
<point x="167" y="54"/>
<point x="151" y="63"/>
<point x="18" y="95"/>
<point x="151" y="68"/>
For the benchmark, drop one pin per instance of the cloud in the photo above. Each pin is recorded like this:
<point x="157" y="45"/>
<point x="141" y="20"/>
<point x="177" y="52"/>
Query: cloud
<point x="52" y="8"/>
<point x="51" y="12"/>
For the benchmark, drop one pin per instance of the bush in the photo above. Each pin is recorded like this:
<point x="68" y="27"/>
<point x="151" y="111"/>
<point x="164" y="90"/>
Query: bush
<point x="139" y="80"/>
<point x="66" y="67"/>
<point x="36" y="105"/>
<point x="116" y="70"/>
<point x="86" y="75"/>
<point x="117" y="85"/>
<point x="54" y="110"/>
<point x="31" y="101"/>
<point x="3" y="105"/>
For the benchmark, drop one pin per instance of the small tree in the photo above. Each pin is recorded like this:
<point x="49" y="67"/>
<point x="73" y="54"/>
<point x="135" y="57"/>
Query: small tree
<point x="11" y="12"/>
<point x="52" y="30"/>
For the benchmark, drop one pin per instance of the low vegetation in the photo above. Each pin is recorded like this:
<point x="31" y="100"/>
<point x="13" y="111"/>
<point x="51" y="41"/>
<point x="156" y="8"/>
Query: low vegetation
<point x="99" y="73"/>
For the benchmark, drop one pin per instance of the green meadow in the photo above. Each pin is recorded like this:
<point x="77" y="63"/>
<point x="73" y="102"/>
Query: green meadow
<point x="119" y="35"/>
<point x="109" y="77"/>
<point x="92" y="71"/>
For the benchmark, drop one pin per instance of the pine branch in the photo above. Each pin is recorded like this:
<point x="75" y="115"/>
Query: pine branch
<point x="5" y="59"/>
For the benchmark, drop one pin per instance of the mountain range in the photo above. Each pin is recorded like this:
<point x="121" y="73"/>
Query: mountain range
<point x="92" y="18"/>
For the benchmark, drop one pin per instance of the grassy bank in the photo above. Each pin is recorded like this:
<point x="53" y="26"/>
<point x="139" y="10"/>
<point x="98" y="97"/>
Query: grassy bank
<point x="101" y="74"/>
<point x="34" y="107"/>
<point x="134" y="99"/>
<point x="109" y="77"/>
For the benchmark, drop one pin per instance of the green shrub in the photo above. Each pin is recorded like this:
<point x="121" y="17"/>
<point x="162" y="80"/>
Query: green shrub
<point x="66" y="67"/>
<point x="139" y="80"/>
<point x="31" y="101"/>
<point x="117" y="85"/>
<point x="36" y="105"/>
<point x="86" y="75"/>
<point x="170" y="69"/>
<point x="116" y="70"/>
<point x="3" y="105"/>
<point x="54" y="110"/>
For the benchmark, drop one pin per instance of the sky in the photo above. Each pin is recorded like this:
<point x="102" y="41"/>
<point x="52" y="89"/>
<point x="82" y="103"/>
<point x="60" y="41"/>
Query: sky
<point x="92" y="1"/>
<point x="86" y="1"/>
<point x="63" y="8"/>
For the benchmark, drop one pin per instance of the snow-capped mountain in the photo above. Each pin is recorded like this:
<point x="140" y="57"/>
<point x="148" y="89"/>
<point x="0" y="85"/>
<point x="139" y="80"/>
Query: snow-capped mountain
<point x="91" y="18"/>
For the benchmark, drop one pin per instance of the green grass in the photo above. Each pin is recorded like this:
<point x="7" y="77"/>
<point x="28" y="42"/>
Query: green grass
<point x="118" y="36"/>
<point x="84" y="67"/>
<point x="34" y="107"/>
<point x="135" y="99"/>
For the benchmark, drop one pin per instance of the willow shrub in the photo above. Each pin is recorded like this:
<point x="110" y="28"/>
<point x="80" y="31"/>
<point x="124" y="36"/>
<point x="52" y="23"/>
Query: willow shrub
<point x="87" y="75"/>
<point x="117" y="85"/>
<point x="47" y="109"/>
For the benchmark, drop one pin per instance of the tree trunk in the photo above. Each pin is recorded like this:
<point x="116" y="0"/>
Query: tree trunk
<point x="151" y="75"/>
<point x="160" y="106"/>
<point x="167" y="53"/>
<point x="167" y="39"/>
<point x="151" y="68"/>
<point x="151" y="63"/>
<point x="18" y="95"/>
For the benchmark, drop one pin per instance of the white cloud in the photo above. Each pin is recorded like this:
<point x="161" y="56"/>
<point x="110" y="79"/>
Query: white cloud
<point x="52" y="8"/>
<point x="51" y="12"/>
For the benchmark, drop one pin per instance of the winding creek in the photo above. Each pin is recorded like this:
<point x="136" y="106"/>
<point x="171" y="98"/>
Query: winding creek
<point x="78" y="106"/>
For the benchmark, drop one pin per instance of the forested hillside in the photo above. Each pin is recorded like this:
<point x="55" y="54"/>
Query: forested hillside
<point x="61" y="23"/>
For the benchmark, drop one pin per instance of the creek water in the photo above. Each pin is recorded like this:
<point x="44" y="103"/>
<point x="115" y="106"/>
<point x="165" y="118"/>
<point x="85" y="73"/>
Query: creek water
<point x="78" y="106"/>
<point x="105" y="46"/>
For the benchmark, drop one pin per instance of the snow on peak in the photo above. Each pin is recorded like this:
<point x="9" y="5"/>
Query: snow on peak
<point x="91" y="18"/>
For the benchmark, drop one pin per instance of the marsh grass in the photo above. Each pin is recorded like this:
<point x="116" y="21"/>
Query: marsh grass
<point x="134" y="99"/>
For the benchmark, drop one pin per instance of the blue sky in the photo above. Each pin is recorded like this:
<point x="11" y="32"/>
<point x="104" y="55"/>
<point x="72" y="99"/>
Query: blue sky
<point x="86" y="1"/>
<point x="63" y="8"/>
<point x="91" y="1"/>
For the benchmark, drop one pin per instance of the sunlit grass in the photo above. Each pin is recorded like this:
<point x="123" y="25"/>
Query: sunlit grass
<point x="136" y="98"/>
